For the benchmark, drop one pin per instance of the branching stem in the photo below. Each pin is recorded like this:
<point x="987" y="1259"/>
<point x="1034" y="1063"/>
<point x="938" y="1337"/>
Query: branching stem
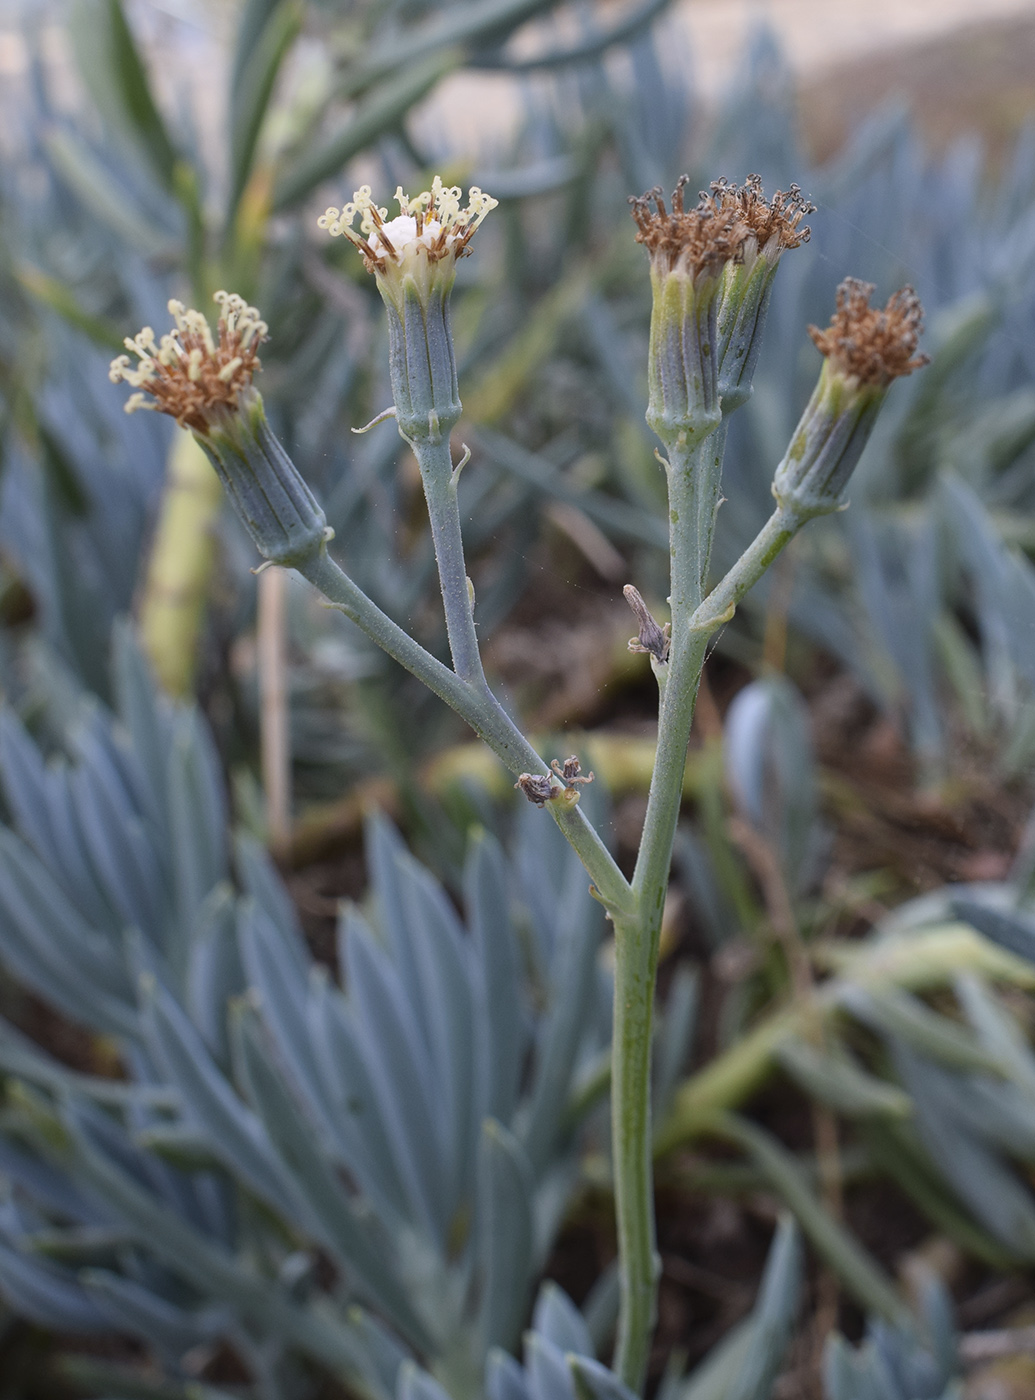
<point x="474" y="703"/>
<point x="721" y="603"/>
<point x="635" y="910"/>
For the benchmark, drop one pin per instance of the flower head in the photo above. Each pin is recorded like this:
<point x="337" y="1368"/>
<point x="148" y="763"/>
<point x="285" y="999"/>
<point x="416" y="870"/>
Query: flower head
<point x="689" y="248"/>
<point x="427" y="236"/>
<point x="866" y="350"/>
<point x="413" y="258"/>
<point x="191" y="374"/>
<point x="871" y="346"/>
<point x="205" y="383"/>
<point x="771" y="227"/>
<point x="697" y="241"/>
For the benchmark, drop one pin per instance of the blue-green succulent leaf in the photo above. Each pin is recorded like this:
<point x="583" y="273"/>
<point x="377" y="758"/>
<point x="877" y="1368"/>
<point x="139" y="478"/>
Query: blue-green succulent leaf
<point x="363" y="1138"/>
<point x="549" y="1377"/>
<point x="505" y="1186"/>
<point x="502" y="1020"/>
<point x="237" y="1135"/>
<point x="48" y="1295"/>
<point x="346" y="1227"/>
<point x="556" y="1318"/>
<point x="397" y="1061"/>
<point x="504" y="1377"/>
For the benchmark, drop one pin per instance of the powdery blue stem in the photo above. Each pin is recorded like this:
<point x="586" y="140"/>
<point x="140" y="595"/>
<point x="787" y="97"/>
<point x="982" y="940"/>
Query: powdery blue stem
<point x="440" y="491"/>
<point x="693" y="495"/>
<point x="690" y="471"/>
<point x="774" y="536"/>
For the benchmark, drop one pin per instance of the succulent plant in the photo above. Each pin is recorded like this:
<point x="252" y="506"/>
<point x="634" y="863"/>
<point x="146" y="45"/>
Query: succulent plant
<point x="363" y="1172"/>
<point x="415" y="1129"/>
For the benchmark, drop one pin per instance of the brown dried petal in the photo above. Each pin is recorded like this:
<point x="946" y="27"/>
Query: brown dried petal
<point x="697" y="240"/>
<point x="570" y="773"/>
<point x="779" y="217"/>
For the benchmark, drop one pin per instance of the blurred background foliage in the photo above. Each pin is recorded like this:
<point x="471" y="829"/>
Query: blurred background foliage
<point x="854" y="880"/>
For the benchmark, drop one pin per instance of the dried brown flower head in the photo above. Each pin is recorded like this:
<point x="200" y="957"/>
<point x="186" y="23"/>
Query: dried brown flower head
<point x="766" y="220"/>
<point x="867" y="344"/>
<point x="693" y="241"/>
<point x="190" y="374"/>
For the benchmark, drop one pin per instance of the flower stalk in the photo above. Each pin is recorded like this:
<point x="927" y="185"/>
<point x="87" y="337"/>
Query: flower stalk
<point x="196" y="377"/>
<point x="712" y="268"/>
<point x="413" y="259"/>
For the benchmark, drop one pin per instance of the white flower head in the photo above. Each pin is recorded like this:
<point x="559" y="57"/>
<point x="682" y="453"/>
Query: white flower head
<point x="427" y="236"/>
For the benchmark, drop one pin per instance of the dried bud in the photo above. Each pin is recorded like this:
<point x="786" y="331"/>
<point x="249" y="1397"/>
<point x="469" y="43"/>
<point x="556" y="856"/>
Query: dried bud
<point x="866" y="349"/>
<point x="570" y="772"/>
<point x="773" y="226"/>
<point x="689" y="248"/>
<point x="413" y="257"/>
<point x="696" y="243"/>
<point x="204" y="382"/>
<point x="539" y="788"/>
<point x="653" y="640"/>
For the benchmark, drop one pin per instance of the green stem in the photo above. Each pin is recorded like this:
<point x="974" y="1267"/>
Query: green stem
<point x="708" y="494"/>
<point x="497" y="729"/>
<point x="690" y="546"/>
<point x="475" y="704"/>
<point x="690" y="473"/>
<point x="635" y="965"/>
<point x="345" y="595"/>
<point x="721" y="603"/>
<point x="440" y="491"/>
<point x="484" y="710"/>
